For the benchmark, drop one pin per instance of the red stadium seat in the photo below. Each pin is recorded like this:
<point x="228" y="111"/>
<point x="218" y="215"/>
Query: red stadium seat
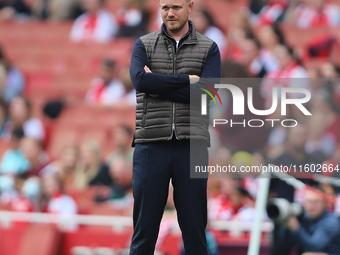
<point x="292" y="32"/>
<point x="61" y="137"/>
<point x="79" y="115"/>
<point x="39" y="82"/>
<point x="40" y="240"/>
<point x="10" y="240"/>
<point x="95" y="238"/>
<point x="73" y="84"/>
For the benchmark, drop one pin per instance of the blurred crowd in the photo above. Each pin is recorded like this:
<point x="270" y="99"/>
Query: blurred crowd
<point x="33" y="182"/>
<point x="252" y="44"/>
<point x="30" y="179"/>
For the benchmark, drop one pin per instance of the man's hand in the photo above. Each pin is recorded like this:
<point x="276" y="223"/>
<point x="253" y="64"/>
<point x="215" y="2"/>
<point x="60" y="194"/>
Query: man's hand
<point x="147" y="70"/>
<point x="292" y="223"/>
<point x="194" y="79"/>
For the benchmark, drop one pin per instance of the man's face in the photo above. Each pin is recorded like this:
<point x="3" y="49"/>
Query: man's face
<point x="175" y="13"/>
<point x="106" y="73"/>
<point x="121" y="138"/>
<point x="249" y="50"/>
<point x="91" y="6"/>
<point x="30" y="148"/>
<point x="314" y="204"/>
<point x="283" y="56"/>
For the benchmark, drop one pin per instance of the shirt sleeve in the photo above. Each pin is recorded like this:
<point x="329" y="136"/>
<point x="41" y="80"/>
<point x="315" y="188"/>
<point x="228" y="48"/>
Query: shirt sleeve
<point x="152" y="83"/>
<point x="212" y="69"/>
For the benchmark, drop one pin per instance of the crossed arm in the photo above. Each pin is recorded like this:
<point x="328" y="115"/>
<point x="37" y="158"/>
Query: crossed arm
<point x="169" y="87"/>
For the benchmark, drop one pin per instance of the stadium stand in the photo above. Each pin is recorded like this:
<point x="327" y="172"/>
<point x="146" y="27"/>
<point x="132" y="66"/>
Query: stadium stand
<point x="55" y="69"/>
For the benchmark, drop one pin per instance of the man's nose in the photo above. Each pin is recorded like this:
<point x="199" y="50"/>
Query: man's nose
<point x="171" y="13"/>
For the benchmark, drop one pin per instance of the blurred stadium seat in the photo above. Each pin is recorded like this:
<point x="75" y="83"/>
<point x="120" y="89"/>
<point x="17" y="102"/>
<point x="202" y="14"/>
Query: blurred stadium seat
<point x="40" y="239"/>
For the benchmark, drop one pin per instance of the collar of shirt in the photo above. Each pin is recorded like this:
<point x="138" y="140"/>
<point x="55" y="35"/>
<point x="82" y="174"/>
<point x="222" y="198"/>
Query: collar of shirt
<point x="164" y="29"/>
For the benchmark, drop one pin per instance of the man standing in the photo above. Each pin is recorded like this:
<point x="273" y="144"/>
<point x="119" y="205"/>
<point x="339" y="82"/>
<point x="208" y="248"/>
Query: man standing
<point x="163" y="66"/>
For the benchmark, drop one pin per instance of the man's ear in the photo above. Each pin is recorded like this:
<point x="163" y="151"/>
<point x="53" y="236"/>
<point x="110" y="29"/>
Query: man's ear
<point x="191" y="6"/>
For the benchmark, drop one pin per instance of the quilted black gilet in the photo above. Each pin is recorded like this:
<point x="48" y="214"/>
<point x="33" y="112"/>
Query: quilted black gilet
<point x="160" y="120"/>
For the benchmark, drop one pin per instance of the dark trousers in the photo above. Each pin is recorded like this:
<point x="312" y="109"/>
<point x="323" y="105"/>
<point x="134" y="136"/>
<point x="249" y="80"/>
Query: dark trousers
<point x="154" y="164"/>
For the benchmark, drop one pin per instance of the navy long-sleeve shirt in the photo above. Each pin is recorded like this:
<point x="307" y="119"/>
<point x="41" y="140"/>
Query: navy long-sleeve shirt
<point x="169" y="87"/>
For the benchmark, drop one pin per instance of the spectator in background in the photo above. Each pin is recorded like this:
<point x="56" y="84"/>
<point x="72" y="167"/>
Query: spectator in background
<point x="14" y="82"/>
<point x="97" y="24"/>
<point x="331" y="72"/>
<point x="4" y="132"/>
<point x="3" y="74"/>
<point x="90" y="169"/>
<point x="242" y="137"/>
<point x="233" y="203"/>
<point x="269" y="37"/>
<point x="7" y="190"/>
<point x="64" y="166"/>
<point x="242" y="205"/>
<point x="21" y="203"/>
<point x="120" y="162"/>
<point x="105" y="90"/>
<point x="318" y="139"/>
<point x="133" y="18"/>
<point x="289" y="67"/>
<point x="220" y="205"/>
<point x="270" y="13"/>
<point x="10" y="9"/>
<point x="56" y="201"/>
<point x="20" y="116"/>
<point x="277" y="137"/>
<point x="206" y="25"/>
<point x="255" y="6"/>
<point x="34" y="153"/>
<point x="129" y="98"/>
<point x="251" y="58"/>
<point x="13" y="161"/>
<point x="239" y="30"/>
<point x="56" y="9"/>
<point x="313" y="13"/>
<point x="323" y="104"/>
<point x="314" y="76"/>
<point x="295" y="154"/>
<point x="336" y="158"/>
<point x="289" y="64"/>
<point x="317" y="233"/>
<point x="252" y="182"/>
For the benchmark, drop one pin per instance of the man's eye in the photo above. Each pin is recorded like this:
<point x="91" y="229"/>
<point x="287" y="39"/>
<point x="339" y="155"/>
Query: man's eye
<point x="165" y="8"/>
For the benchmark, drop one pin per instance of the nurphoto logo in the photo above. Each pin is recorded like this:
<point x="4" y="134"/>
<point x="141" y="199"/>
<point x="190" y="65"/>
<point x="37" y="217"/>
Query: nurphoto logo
<point x="239" y="105"/>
